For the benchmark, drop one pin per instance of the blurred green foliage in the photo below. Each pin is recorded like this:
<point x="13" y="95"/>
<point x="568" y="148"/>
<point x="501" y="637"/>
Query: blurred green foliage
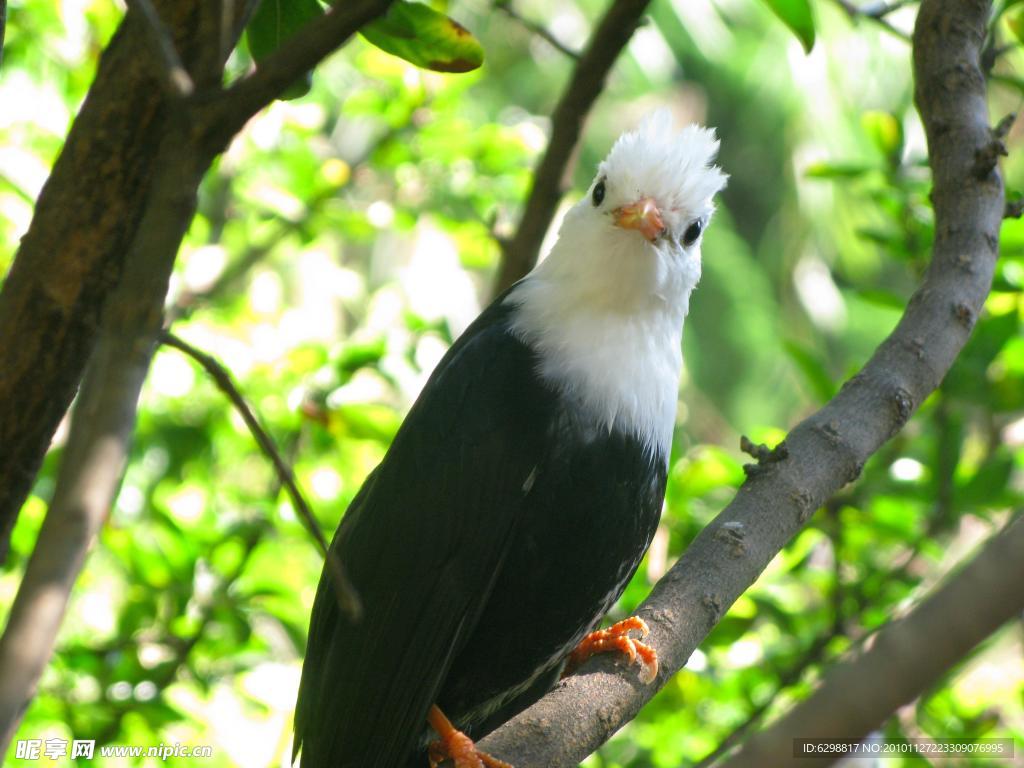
<point x="346" y="237"/>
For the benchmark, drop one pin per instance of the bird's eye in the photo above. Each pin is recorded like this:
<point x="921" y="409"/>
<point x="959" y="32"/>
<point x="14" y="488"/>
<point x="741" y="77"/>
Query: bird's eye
<point x="693" y="232"/>
<point x="598" y="194"/>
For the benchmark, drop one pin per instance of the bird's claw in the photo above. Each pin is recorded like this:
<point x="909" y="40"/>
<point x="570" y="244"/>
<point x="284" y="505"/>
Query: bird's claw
<point x="461" y="751"/>
<point x="456" y="746"/>
<point x="616" y="638"/>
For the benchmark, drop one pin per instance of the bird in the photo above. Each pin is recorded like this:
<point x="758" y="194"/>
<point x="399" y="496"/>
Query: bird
<point x="524" y="486"/>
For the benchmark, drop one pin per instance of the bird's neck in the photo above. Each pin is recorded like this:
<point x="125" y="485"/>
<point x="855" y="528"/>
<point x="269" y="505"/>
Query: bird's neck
<point x="620" y="360"/>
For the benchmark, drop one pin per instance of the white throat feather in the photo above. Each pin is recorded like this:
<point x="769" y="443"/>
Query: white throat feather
<point x="605" y="310"/>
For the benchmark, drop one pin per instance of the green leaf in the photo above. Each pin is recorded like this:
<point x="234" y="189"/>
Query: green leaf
<point x="882" y="237"/>
<point x="827" y="170"/>
<point x="882" y="298"/>
<point x="796" y="14"/>
<point x="425" y="38"/>
<point x="1016" y="25"/>
<point x="728" y="631"/>
<point x="813" y="370"/>
<point x="274" y="22"/>
<point x="1009" y="81"/>
<point x="705" y="470"/>
<point x="356" y="354"/>
<point x="366" y="421"/>
<point x="988" y="487"/>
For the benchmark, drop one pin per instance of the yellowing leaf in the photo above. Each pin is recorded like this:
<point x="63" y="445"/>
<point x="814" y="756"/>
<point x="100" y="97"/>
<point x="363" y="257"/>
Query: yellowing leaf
<point x="425" y="38"/>
<point x="1016" y="24"/>
<point x="885" y="131"/>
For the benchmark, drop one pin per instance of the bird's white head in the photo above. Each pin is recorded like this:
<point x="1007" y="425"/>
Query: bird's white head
<point x="606" y="307"/>
<point x="635" y="237"/>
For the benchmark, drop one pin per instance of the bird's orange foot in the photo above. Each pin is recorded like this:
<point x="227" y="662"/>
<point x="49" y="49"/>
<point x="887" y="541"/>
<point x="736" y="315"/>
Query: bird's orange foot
<point x="616" y="638"/>
<point x="456" y="746"/>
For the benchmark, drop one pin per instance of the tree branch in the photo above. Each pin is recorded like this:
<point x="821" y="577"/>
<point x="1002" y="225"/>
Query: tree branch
<point x="172" y="72"/>
<point x="879" y="9"/>
<point x="587" y="83"/>
<point x="827" y="450"/>
<point x="74" y="252"/>
<point x="505" y="6"/>
<point x="348" y="599"/>
<point x="856" y="696"/>
<point x="878" y="13"/>
<point x="223" y="115"/>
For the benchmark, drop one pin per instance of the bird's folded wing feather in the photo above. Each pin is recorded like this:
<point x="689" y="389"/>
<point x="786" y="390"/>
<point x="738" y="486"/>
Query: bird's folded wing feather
<point x="423" y="542"/>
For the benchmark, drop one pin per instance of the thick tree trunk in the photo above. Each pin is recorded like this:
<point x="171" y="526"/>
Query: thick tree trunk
<point x="74" y="252"/>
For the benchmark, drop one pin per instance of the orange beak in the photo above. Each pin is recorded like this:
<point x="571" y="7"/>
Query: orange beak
<point x="643" y="216"/>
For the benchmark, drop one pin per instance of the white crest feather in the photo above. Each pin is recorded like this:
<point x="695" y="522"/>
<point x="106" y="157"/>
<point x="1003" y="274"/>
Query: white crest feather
<point x="605" y="309"/>
<point x="675" y="167"/>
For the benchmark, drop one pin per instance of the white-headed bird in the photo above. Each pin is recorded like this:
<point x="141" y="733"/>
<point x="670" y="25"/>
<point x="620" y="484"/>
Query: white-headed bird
<point x="524" y="486"/>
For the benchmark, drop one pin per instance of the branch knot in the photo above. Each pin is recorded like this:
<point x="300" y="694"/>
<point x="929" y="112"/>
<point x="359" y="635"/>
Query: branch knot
<point x="765" y="456"/>
<point x="986" y="156"/>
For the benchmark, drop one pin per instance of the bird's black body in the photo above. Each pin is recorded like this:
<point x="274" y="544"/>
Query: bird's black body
<point x="502" y="524"/>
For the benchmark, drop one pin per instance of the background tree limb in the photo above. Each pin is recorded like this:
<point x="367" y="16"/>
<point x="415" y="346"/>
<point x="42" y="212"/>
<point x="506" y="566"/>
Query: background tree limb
<point x="857" y="695"/>
<point x="827" y="450"/>
<point x="587" y="82"/>
<point x="100" y="436"/>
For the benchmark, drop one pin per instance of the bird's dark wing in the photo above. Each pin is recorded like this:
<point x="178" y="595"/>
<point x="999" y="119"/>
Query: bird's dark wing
<point x="423" y="542"/>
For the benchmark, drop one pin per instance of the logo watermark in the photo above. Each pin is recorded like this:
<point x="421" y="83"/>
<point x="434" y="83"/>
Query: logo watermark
<point x="993" y="749"/>
<point x="77" y="749"/>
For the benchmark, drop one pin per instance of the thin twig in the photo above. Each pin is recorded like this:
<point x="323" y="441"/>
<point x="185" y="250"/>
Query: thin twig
<point x="3" y="28"/>
<point x="239" y="21"/>
<point x="348" y="599"/>
<point x="539" y="30"/>
<point x="879" y="10"/>
<point x="173" y="74"/>
<point x="876" y="13"/>
<point x="611" y="36"/>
